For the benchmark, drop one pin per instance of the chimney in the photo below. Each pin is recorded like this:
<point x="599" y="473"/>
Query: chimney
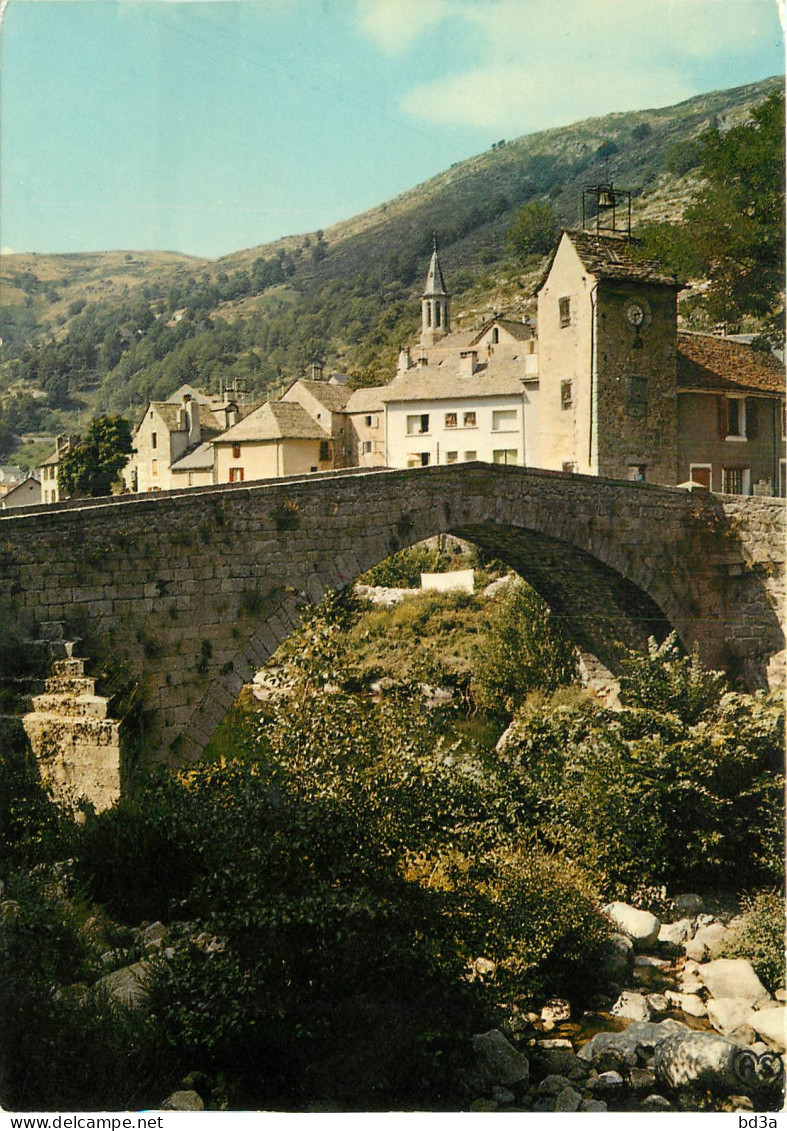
<point x="423" y="361"/>
<point x="468" y="363"/>
<point x="405" y="360"/>
<point x="231" y="414"/>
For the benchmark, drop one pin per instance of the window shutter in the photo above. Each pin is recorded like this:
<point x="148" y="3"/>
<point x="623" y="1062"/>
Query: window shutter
<point x="723" y="419"/>
<point x="751" y="418"/>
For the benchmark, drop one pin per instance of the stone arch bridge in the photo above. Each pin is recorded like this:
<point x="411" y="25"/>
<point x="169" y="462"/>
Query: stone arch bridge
<point x="193" y="590"/>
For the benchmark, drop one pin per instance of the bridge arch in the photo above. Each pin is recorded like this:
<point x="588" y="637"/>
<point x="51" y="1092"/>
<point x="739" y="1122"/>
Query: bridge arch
<point x="194" y="590"/>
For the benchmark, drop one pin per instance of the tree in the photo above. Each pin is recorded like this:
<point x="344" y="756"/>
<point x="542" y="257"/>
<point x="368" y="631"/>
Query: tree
<point x="533" y="231"/>
<point x="737" y="218"/>
<point x="92" y="466"/>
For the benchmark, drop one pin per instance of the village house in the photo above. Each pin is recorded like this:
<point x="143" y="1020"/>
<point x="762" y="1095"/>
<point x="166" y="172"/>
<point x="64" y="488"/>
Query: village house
<point x="467" y="395"/>
<point x="25" y="493"/>
<point x="623" y="394"/>
<point x="49" y="470"/>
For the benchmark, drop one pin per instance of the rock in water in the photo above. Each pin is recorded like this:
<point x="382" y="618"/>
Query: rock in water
<point x="703" y="1061"/>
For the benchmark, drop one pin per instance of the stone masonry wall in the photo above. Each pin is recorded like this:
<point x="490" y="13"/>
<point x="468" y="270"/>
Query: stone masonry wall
<point x="194" y="590"/>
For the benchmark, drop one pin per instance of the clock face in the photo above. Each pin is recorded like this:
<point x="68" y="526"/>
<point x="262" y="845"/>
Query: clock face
<point x="635" y="314"/>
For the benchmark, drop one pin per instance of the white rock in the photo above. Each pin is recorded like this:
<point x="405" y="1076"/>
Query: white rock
<point x="711" y="936"/>
<point x="771" y="1025"/>
<point x="676" y="933"/>
<point x="555" y="1011"/>
<point x="128" y="986"/>
<point x="658" y="1003"/>
<point x="726" y="1014"/>
<point x="649" y="960"/>
<point x="640" y="926"/>
<point x="687" y="1003"/>
<point x="631" y="1006"/>
<point x="733" y="977"/>
<point x="695" y="950"/>
<point x="691" y="985"/>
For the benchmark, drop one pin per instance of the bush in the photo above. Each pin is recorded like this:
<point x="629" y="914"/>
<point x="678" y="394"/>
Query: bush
<point x="760" y="937"/>
<point x="524" y="650"/>
<point x="33" y="829"/>
<point x="665" y="681"/>
<point x="534" y="230"/>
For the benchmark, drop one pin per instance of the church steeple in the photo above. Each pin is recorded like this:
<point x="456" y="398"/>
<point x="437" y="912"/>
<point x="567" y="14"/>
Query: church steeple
<point x="435" y="314"/>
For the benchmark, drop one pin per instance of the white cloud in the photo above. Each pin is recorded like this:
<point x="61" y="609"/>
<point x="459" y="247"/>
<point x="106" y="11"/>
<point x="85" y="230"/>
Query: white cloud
<point x="541" y="64"/>
<point x="395" y="25"/>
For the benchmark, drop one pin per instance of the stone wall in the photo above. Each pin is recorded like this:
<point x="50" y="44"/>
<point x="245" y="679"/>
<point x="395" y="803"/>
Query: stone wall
<point x="192" y="591"/>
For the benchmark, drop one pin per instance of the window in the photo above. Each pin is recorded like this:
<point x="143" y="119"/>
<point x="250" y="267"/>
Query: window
<point x="469" y="420"/>
<point x="451" y="457"/>
<point x="366" y="447"/>
<point x="236" y="451"/>
<point x="370" y="421"/>
<point x="428" y="314"/>
<point x="154" y="468"/>
<point x="236" y="475"/>
<point x="325" y="451"/>
<point x="567" y="394"/>
<point x="417" y="425"/>
<point x="637" y="392"/>
<point x="564" y="305"/>
<point x="470" y="456"/>
<point x="701" y="474"/>
<point x="783" y="478"/>
<point x="734" y="419"/>
<point x="504" y="420"/>
<point x="636" y="472"/>
<point x="570" y="467"/>
<point x="153" y="440"/>
<point x="736" y="481"/>
<point x="495" y="336"/>
<point x="784" y="419"/>
<point x="437" y="314"/>
<point x="504" y="455"/>
<point x="425" y="459"/>
<point x="450" y="420"/>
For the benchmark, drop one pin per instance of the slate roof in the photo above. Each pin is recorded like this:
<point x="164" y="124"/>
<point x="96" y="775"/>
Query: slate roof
<point x="367" y="399"/>
<point x="718" y="364"/>
<point x="275" y="420"/>
<point x="435" y="283"/>
<point x="332" y="397"/>
<point x="200" y="458"/>
<point x="211" y="419"/>
<point x="610" y="258"/>
<point x="438" y="382"/>
<point x="522" y="331"/>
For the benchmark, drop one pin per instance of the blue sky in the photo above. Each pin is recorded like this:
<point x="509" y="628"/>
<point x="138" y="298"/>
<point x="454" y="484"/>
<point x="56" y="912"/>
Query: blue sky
<point x="206" y="126"/>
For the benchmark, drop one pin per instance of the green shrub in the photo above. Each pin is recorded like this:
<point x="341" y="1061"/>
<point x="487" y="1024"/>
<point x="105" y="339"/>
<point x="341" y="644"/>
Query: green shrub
<point x="663" y="680"/>
<point x="760" y="937"/>
<point x="33" y="829"/>
<point x="524" y="650"/>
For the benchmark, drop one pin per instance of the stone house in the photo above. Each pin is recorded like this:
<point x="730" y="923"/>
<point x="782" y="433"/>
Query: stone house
<point x="280" y="438"/>
<point x="26" y="493"/>
<point x="48" y="471"/>
<point x="173" y="430"/>
<point x="326" y="403"/>
<point x="623" y="394"/>
<point x="365" y="416"/>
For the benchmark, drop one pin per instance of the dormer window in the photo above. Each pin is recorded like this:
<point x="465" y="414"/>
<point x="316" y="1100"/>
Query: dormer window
<point x="564" y="306"/>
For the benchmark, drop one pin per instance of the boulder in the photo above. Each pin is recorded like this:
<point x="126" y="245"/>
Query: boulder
<point x="553" y="1085"/>
<point x="631" y="1006"/>
<point x="560" y="1062"/>
<point x="641" y="1081"/>
<point x="726" y="1014"/>
<point x="655" y="1102"/>
<point x="153" y="936"/>
<point x="687" y="904"/>
<point x="771" y="1025"/>
<point x="503" y="1095"/>
<point x="608" y="1083"/>
<point x="687" y="1003"/>
<point x="733" y="978"/>
<point x="183" y="1101"/>
<point x="126" y="986"/>
<point x="568" y="1100"/>
<point x="658" y="1003"/>
<point x="633" y="1043"/>
<point x="710" y="1062"/>
<point x="593" y="1105"/>
<point x="711" y="937"/>
<point x="497" y="1061"/>
<point x="640" y="926"/>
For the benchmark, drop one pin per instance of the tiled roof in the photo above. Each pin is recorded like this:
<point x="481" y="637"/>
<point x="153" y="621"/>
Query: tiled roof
<point x="200" y="458"/>
<point x="433" y="382"/>
<point x="708" y="362"/>
<point x="276" y="420"/>
<point x="367" y="399"/>
<point x="522" y="331"/>
<point x="332" y="397"/>
<point x="610" y="258"/>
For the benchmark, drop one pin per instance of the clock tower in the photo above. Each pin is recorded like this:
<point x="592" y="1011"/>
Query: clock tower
<point x="607" y="327"/>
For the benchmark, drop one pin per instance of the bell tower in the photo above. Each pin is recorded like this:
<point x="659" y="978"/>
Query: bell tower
<point x="435" y="313"/>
